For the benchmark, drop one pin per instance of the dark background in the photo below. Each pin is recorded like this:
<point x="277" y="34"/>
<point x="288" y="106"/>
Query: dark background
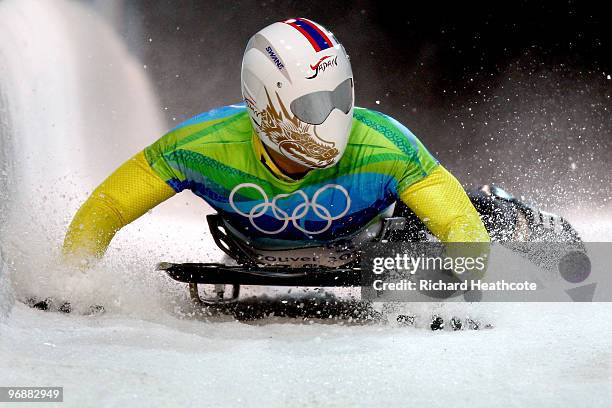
<point x="513" y="93"/>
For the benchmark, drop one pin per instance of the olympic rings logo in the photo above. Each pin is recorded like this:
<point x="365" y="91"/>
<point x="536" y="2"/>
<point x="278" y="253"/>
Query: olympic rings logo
<point x="298" y="213"/>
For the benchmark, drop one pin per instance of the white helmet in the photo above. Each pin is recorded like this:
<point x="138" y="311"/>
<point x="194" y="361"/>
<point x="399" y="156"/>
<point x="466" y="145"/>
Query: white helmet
<point x="297" y="83"/>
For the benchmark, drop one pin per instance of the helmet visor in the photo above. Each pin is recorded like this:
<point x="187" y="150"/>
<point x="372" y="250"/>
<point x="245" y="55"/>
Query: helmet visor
<point x="315" y="107"/>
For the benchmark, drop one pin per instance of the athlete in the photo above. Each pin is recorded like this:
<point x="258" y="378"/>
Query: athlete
<point x="294" y="168"/>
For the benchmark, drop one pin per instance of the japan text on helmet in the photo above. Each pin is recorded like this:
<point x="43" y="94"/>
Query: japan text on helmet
<point x="297" y="83"/>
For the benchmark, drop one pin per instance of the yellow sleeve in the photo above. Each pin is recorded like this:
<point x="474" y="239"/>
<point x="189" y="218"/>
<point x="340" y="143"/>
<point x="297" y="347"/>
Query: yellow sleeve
<point x="125" y="195"/>
<point x="442" y="204"/>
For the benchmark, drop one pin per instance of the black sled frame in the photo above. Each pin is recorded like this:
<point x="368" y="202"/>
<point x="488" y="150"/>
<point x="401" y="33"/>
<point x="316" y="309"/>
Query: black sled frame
<point x="249" y="272"/>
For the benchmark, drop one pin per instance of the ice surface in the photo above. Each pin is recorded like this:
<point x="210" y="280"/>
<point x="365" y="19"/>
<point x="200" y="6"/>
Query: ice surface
<point x="539" y="355"/>
<point x="147" y="350"/>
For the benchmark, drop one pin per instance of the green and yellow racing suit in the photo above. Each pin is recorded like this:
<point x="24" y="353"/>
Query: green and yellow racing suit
<point x="218" y="156"/>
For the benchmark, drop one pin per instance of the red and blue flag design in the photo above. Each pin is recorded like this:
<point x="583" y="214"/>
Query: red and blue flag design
<point x="317" y="38"/>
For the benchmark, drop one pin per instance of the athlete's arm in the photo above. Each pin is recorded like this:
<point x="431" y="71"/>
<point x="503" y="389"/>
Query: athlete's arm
<point x="441" y="203"/>
<point x="125" y="195"/>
